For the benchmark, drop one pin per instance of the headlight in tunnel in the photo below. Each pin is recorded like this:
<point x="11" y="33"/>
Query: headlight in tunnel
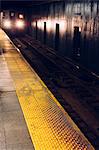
<point x="7" y="24"/>
<point x="20" y="24"/>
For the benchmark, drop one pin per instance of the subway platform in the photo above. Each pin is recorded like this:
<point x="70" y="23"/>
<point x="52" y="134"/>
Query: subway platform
<point x="30" y="115"/>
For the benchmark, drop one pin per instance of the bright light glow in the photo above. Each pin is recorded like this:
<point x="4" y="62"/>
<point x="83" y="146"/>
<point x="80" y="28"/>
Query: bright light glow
<point x="12" y="14"/>
<point x="21" y="16"/>
<point x="63" y="26"/>
<point x="79" y="29"/>
<point x="20" y="24"/>
<point x="7" y="24"/>
<point x="34" y="24"/>
<point x="49" y="25"/>
<point x="40" y="24"/>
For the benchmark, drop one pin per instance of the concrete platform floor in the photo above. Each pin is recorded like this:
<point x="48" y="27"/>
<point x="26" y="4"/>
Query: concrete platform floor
<point x="13" y="130"/>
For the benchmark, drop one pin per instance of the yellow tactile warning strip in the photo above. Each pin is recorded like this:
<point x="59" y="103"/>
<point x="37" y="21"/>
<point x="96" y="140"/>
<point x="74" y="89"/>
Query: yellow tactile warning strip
<point x="49" y="125"/>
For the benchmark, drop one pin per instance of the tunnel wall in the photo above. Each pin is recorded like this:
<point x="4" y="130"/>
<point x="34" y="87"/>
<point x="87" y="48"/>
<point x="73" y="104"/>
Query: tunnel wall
<point x="82" y="16"/>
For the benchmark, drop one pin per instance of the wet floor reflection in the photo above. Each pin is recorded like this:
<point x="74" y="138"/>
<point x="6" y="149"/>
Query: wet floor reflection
<point x="72" y="29"/>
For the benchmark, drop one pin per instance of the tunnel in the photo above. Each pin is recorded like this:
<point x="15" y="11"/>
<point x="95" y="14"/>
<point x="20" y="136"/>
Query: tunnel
<point x="49" y="74"/>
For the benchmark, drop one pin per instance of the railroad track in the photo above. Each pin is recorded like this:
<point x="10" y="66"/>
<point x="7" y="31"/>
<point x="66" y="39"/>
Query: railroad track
<point x="85" y="91"/>
<point x="58" y="74"/>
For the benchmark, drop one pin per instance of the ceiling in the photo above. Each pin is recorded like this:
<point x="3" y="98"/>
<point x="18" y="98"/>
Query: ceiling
<point x="6" y="4"/>
<point x="22" y="3"/>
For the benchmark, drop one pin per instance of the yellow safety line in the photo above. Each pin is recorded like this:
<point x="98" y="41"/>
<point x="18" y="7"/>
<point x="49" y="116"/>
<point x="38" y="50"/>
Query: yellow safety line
<point x="49" y="125"/>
